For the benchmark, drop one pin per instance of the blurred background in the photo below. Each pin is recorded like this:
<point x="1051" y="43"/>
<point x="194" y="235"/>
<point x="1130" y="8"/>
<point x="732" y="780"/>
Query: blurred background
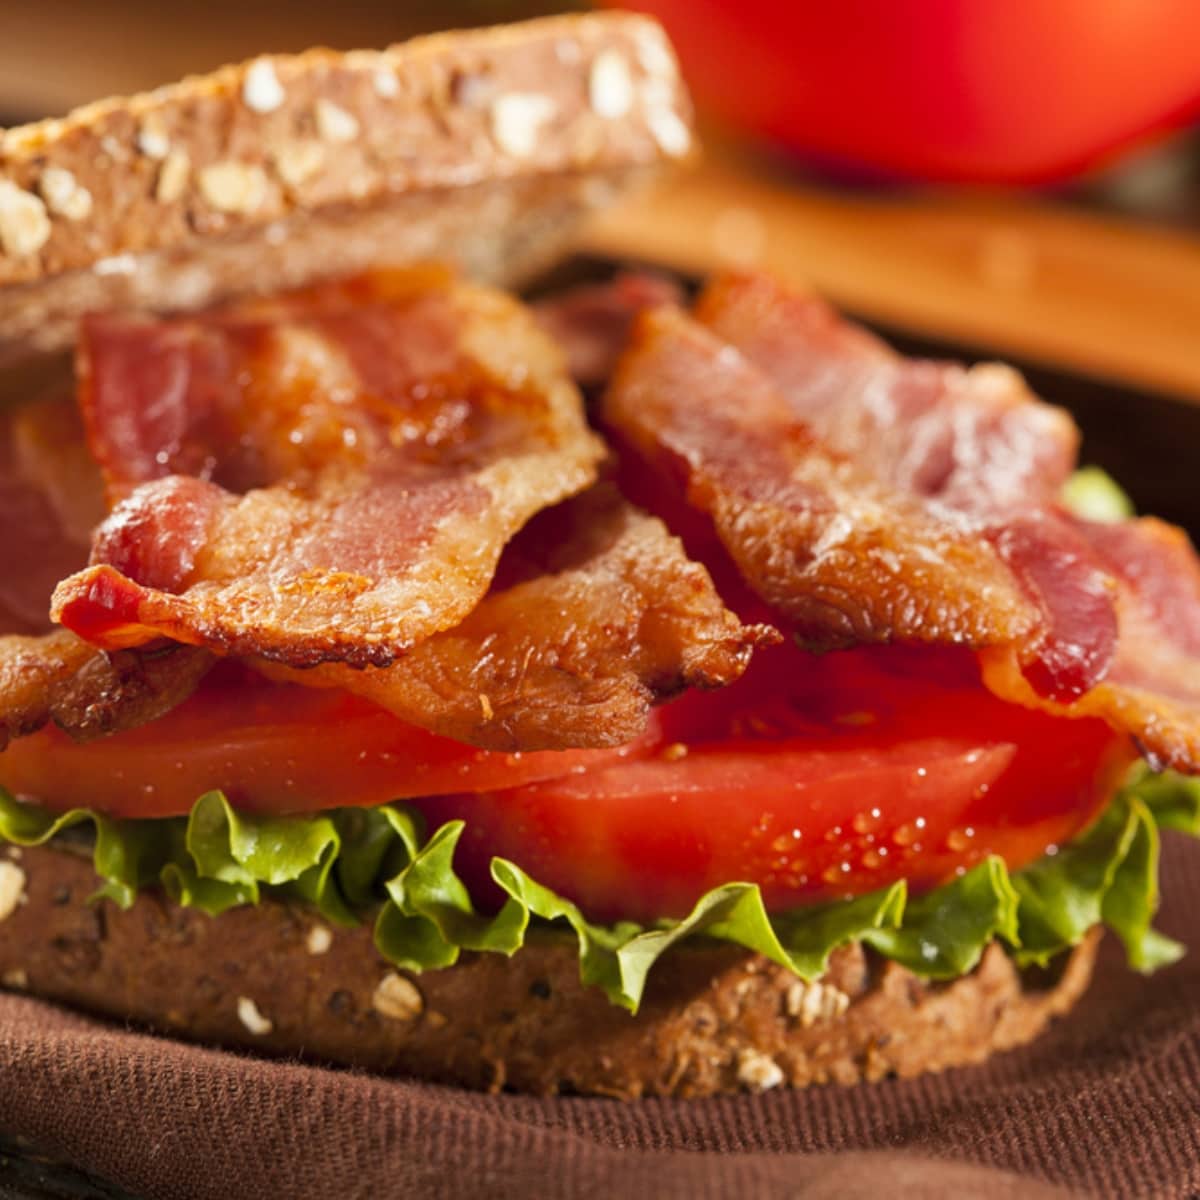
<point x="1016" y="178"/>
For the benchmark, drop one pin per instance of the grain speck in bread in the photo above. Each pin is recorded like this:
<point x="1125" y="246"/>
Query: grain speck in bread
<point x="717" y="1019"/>
<point x="507" y="135"/>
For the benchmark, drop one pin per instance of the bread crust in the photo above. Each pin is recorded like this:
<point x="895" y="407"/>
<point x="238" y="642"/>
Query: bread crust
<point x="276" y="979"/>
<point x="162" y="199"/>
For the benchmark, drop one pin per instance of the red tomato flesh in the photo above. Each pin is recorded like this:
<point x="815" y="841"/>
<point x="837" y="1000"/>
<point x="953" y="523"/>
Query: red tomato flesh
<point x="271" y="747"/>
<point x="816" y="778"/>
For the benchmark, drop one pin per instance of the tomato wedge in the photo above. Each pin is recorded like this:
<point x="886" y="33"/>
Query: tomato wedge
<point x="816" y="778"/>
<point x="271" y="747"/>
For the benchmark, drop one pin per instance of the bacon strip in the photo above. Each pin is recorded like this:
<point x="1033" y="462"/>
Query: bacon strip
<point x="870" y="499"/>
<point x="591" y="321"/>
<point x="49" y="501"/>
<point x="50" y="496"/>
<point x="597" y="615"/>
<point x="1152" y="685"/>
<point x="847" y="558"/>
<point x="87" y="693"/>
<point x="327" y="477"/>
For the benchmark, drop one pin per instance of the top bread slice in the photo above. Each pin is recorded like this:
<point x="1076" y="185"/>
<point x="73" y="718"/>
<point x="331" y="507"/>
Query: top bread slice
<point x="483" y="147"/>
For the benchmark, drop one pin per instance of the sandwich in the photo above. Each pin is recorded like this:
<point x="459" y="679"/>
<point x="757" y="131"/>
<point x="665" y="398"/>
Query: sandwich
<point x="625" y="692"/>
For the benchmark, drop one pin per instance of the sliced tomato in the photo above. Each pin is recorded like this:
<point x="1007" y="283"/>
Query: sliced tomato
<point x="816" y="778"/>
<point x="271" y="747"/>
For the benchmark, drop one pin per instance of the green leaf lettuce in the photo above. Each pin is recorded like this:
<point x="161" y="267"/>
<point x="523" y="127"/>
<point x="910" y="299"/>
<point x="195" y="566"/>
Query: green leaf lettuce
<point x="352" y="864"/>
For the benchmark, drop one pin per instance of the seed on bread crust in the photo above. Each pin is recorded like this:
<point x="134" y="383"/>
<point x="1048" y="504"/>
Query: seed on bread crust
<point x="397" y="998"/>
<point x="233" y="187"/>
<point x="654" y="53"/>
<point x="63" y="195"/>
<point x="318" y="940"/>
<point x="118" y="264"/>
<point x="173" y="177"/>
<point x="610" y="85"/>
<point x="24" y="223"/>
<point x="810" y="1002"/>
<point x="386" y="84"/>
<point x="152" y="139"/>
<point x="298" y="161"/>
<point x="670" y="131"/>
<point x="757" y="1072"/>
<point x="334" y="123"/>
<point x="517" y="120"/>
<point x="261" y="89"/>
<point x="251" y="1016"/>
<point x="12" y="889"/>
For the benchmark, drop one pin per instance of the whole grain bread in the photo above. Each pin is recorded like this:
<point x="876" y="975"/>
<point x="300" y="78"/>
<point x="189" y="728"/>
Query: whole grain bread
<point x="277" y="979"/>
<point x="484" y="146"/>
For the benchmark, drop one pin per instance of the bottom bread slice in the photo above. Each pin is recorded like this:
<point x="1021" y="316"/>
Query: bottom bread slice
<point x="715" y="1018"/>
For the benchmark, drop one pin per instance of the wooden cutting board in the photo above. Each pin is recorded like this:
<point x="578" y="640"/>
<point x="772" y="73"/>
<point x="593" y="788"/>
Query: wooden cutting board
<point x="1020" y="276"/>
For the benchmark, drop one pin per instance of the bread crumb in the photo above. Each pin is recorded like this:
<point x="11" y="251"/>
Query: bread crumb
<point x="757" y="1071"/>
<point x="173" y="177"/>
<point x="24" y="223"/>
<point x="234" y="187"/>
<point x="397" y="998"/>
<point x="12" y="889"/>
<point x="610" y="85"/>
<point x="63" y="194"/>
<point x="517" y="120"/>
<point x="485" y="707"/>
<point x="262" y="90"/>
<point x="334" y="123"/>
<point x="249" y="1014"/>
<point x="17" y="979"/>
<point x="319" y="939"/>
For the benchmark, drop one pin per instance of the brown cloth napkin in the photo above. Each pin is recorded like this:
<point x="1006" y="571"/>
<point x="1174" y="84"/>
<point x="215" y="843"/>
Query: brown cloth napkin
<point x="1107" y="1104"/>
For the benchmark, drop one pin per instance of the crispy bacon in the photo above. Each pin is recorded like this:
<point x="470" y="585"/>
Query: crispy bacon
<point x="49" y="501"/>
<point x="591" y="321"/>
<point x="50" y="497"/>
<point x="846" y="557"/>
<point x="871" y="498"/>
<point x="86" y="692"/>
<point x="1152" y="685"/>
<point x="327" y="477"/>
<point x="597" y="614"/>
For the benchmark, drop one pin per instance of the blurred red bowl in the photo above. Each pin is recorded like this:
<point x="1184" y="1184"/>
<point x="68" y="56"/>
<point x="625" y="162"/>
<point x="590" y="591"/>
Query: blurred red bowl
<point x="986" y="90"/>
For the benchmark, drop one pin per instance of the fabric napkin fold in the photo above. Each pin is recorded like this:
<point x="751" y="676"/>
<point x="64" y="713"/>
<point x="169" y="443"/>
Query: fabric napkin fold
<point x="1106" y="1104"/>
